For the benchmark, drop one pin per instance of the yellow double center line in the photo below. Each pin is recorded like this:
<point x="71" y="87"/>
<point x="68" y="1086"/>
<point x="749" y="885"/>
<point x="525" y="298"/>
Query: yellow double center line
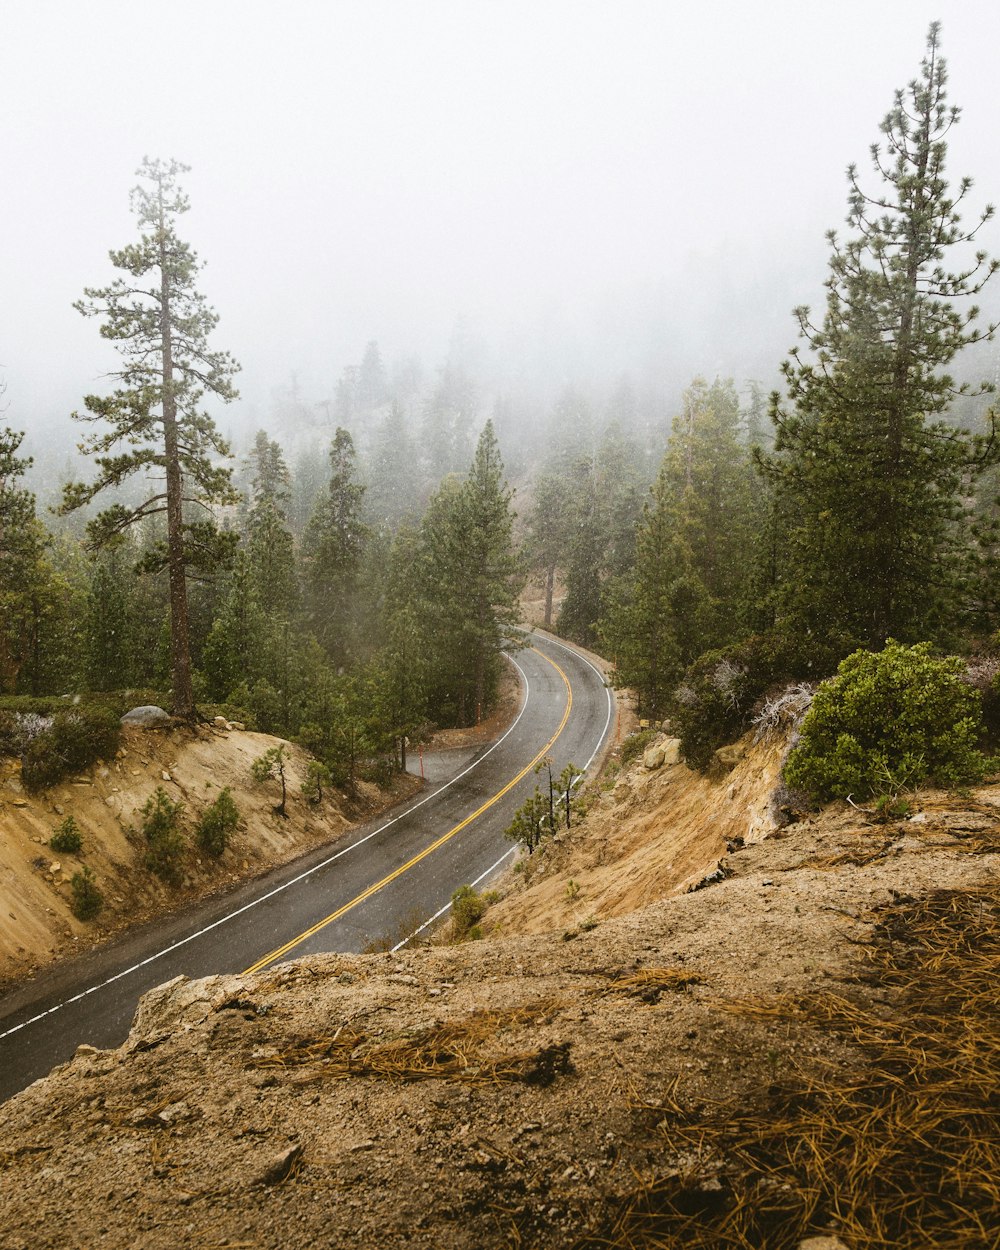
<point x="428" y="850"/>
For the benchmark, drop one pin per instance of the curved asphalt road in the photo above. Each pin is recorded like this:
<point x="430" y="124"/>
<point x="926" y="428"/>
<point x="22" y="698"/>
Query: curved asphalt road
<point x="334" y="899"/>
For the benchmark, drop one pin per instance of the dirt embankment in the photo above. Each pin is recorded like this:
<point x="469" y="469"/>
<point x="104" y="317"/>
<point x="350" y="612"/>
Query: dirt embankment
<point x="193" y="766"/>
<point x="552" y="1090"/>
<point x="652" y="833"/>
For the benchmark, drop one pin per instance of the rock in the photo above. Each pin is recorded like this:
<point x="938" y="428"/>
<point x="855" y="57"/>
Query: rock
<point x="85" y="1051"/>
<point x="672" y="751"/>
<point x="236" y="724"/>
<point x="175" y="1112"/>
<point x="280" y="1167"/>
<point x="176" y="1004"/>
<point x="653" y="758"/>
<point x="15" y="785"/>
<point x="18" y="802"/>
<point x="822" y="1243"/>
<point x="147" y="717"/>
<point x="726" y="758"/>
<point x="220" y="722"/>
<point x="55" y="867"/>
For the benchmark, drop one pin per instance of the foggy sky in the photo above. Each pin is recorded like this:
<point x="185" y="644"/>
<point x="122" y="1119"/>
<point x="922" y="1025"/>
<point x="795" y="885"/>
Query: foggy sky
<point x="653" y="177"/>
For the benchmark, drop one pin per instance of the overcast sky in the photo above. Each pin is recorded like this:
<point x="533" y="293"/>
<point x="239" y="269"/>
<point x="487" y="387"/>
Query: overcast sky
<point x="376" y="168"/>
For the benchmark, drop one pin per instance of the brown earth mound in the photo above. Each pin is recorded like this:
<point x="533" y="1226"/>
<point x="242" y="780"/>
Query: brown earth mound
<point x="672" y="1076"/>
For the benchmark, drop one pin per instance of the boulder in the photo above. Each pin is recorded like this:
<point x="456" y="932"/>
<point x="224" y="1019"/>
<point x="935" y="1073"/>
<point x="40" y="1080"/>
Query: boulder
<point x="148" y="717"/>
<point x="662" y="754"/>
<point x="726" y="758"/>
<point x="653" y="757"/>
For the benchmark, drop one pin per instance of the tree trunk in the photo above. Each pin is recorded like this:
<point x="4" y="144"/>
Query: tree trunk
<point x="180" y="646"/>
<point x="550" y="579"/>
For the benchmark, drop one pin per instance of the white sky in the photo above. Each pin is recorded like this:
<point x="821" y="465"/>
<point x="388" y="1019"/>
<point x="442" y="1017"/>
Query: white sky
<point x="374" y="168"/>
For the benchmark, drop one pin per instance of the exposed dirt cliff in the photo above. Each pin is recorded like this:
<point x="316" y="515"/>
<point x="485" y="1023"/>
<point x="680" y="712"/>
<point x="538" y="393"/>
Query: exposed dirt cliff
<point x="581" y="1087"/>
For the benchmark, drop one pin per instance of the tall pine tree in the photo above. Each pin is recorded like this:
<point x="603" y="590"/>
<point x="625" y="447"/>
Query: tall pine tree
<point x="161" y="325"/>
<point x="871" y="477"/>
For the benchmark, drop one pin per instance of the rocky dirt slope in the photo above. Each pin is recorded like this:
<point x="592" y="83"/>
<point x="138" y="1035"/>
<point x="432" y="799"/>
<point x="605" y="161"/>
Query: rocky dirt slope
<point x="529" y="1090"/>
<point x="649" y="834"/>
<point x="192" y="766"/>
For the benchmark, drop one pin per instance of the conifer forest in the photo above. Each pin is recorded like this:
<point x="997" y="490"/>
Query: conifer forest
<point x="347" y="572"/>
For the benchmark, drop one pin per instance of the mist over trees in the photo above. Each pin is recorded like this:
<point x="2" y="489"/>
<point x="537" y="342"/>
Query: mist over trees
<point x="355" y="572"/>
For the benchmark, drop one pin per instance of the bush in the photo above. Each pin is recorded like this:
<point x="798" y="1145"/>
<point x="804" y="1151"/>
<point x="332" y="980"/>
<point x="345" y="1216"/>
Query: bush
<point x="467" y="909"/>
<point x="317" y="776"/>
<point x="887" y="721"/>
<point x="87" y="898"/>
<point x="715" y="702"/>
<point x="76" y="738"/>
<point x="217" y="823"/>
<point x="636" y="744"/>
<point x="67" y="837"/>
<point x="166" y="846"/>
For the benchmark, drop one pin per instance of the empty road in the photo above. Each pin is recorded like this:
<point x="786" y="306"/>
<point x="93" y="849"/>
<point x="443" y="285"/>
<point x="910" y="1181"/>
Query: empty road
<point x="400" y="868"/>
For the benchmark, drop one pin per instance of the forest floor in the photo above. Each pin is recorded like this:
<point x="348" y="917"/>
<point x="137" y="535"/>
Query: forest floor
<point x="765" y="1058"/>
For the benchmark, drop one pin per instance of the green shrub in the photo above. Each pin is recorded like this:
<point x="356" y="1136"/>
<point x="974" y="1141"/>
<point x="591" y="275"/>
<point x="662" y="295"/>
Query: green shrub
<point x="87" y="898"/>
<point x="11" y="737"/>
<point x="467" y="909"/>
<point x="67" y="837"/>
<point x="76" y="738"/>
<point x="714" y="703"/>
<point x="272" y="764"/>
<point x="889" y="720"/>
<point x="636" y="744"/>
<point x="317" y="776"/>
<point x="380" y="771"/>
<point x="166" y="845"/>
<point x="217" y="823"/>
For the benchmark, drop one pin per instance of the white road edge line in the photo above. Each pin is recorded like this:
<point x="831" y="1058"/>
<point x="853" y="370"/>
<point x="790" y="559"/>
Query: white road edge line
<point x="191" y="937"/>
<point x="513" y="850"/>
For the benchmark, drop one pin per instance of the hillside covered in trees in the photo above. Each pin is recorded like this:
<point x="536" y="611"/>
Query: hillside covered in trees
<point x="362" y="584"/>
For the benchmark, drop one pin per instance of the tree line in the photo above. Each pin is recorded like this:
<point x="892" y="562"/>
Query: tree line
<point x="866" y="512"/>
<point x="347" y="602"/>
<point x="346" y="635"/>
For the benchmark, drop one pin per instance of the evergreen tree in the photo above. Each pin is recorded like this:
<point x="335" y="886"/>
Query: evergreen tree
<point x="270" y="545"/>
<point x="689" y="587"/>
<point x="392" y="477"/>
<point x="237" y="650"/>
<point x="607" y="501"/>
<point x="332" y="550"/>
<point x="449" y="418"/>
<point x="110" y="628"/>
<point x="22" y="565"/>
<point x="161" y="324"/>
<point x="872" y="479"/>
<point x="550" y="531"/>
<point x="371" y="390"/>
<point x="470" y="582"/>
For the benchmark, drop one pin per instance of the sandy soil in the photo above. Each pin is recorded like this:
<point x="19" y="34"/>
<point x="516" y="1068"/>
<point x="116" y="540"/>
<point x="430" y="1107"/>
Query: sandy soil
<point x="193" y="766"/>
<point x="37" y="926"/>
<point x="502" y="1092"/>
